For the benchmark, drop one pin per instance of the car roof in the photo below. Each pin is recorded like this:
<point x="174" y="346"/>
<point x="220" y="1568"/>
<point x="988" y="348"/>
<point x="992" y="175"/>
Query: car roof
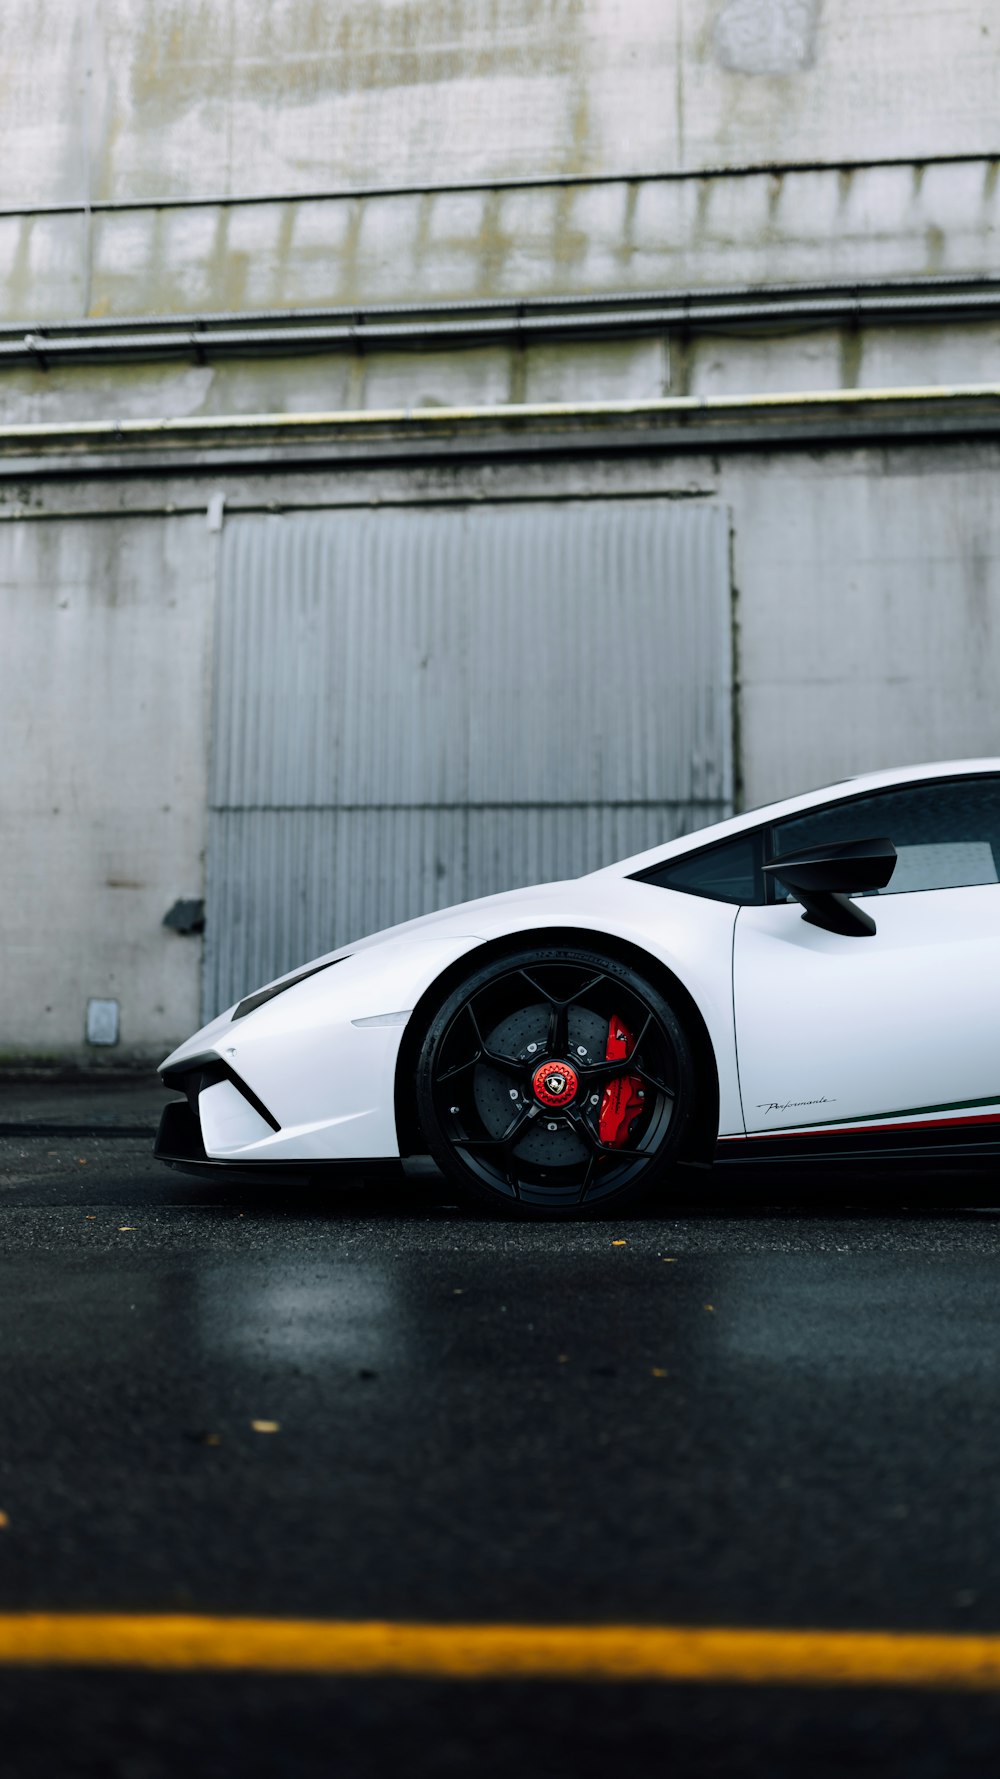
<point x="843" y="789"/>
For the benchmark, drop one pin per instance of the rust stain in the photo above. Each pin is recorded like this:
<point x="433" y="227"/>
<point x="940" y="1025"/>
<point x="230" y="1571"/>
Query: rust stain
<point x="626" y="247"/>
<point x="775" y="188"/>
<point x="349" y="49"/>
<point x="851" y="354"/>
<point x="936" y="247"/>
<point x="495" y="243"/>
<point x="570" y="244"/>
<point x="19" y="279"/>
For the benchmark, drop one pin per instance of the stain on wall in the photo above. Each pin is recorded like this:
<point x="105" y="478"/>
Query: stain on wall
<point x="767" y="36"/>
<point x="140" y="99"/>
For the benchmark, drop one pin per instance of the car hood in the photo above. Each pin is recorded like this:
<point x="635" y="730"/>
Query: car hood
<point x="476" y="919"/>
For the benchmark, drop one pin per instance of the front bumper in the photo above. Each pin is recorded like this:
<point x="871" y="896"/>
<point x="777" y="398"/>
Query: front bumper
<point x="179" y="1144"/>
<point x="308" y="1076"/>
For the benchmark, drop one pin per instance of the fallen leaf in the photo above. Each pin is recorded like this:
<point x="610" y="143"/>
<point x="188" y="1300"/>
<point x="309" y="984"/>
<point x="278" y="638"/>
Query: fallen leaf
<point x="620" y="1244"/>
<point x="81" y="1160"/>
<point x="4" y="1521"/>
<point x="125" y="1228"/>
<point x="710" y="1307"/>
<point x="265" y="1426"/>
<point x="658" y="1371"/>
<point x="670" y="1260"/>
<point x="91" y="1217"/>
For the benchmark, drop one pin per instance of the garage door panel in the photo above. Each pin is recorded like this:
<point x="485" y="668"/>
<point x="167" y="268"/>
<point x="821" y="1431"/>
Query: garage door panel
<point x="601" y="634"/>
<point x="421" y="705"/>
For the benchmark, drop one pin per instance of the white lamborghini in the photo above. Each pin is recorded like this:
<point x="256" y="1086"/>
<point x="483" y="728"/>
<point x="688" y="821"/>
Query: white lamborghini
<point x="820" y="978"/>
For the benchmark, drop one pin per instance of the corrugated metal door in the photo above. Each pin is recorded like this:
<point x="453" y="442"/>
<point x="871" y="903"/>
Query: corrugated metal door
<point x="419" y="705"/>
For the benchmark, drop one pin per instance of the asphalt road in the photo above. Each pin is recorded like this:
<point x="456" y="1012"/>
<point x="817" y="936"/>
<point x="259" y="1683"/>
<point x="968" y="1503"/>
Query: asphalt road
<point x="767" y="1410"/>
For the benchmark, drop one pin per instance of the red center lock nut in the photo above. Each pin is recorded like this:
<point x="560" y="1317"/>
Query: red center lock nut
<point x="555" y="1084"/>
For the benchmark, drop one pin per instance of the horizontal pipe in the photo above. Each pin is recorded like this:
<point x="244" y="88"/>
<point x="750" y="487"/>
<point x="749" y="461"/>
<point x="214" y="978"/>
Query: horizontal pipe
<point x="359" y="314"/>
<point x="527" y="182"/>
<point x="44" y="347"/>
<point x="504" y="414"/>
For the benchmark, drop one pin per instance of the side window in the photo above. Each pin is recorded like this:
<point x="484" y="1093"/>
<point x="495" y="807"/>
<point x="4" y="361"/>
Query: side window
<point x="729" y="872"/>
<point x="946" y="834"/>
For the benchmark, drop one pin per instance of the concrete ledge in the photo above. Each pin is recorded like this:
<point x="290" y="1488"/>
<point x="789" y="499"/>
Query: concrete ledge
<point x="343" y="438"/>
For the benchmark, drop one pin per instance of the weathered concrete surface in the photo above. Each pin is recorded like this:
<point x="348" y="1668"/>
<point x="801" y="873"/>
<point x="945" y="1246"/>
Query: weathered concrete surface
<point x="103" y="694"/>
<point x="617" y="370"/>
<point x="877" y="222"/>
<point x="129" y="103"/>
<point x="869" y="610"/>
<point x="147" y="98"/>
<point x="716" y="363"/>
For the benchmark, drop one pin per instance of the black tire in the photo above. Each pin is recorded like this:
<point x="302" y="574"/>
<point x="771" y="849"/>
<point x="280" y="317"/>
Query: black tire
<point x="536" y="1144"/>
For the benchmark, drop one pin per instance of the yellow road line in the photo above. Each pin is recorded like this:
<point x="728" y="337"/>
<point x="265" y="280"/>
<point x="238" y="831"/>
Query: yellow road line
<point x="501" y="1652"/>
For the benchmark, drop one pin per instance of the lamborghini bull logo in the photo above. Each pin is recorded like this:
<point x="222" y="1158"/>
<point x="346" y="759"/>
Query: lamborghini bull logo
<point x="555" y="1084"/>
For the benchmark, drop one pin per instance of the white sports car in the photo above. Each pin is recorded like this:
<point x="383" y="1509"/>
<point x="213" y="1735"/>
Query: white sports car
<point x="739" y="993"/>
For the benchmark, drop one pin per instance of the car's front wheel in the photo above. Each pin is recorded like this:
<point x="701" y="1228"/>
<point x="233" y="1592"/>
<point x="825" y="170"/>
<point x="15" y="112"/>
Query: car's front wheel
<point x="554" y="1082"/>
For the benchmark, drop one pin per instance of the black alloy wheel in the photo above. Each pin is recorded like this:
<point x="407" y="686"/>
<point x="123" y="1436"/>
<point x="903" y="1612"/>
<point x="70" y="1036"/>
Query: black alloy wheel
<point x="554" y="1083"/>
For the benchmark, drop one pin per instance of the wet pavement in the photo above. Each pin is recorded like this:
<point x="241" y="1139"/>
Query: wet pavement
<point x="764" y="1408"/>
<point x="106" y="1100"/>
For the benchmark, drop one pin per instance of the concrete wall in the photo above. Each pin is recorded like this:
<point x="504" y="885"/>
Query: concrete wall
<point x="127" y="99"/>
<point x="103" y="719"/>
<point x="619" y="370"/>
<point x="869" y="602"/>
<point x="127" y="102"/>
<point x="153" y="124"/>
<point x="649" y="234"/>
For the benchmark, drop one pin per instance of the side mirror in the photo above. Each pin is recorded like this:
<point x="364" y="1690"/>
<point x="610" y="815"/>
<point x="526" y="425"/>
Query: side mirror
<point x="823" y="878"/>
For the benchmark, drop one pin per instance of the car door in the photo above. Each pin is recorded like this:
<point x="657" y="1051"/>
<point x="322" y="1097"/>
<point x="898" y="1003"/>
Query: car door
<point x="897" y="1029"/>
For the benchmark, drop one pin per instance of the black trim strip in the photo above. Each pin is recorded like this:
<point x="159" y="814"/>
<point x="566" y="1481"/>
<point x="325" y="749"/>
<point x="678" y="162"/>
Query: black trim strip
<point x="940" y="1141"/>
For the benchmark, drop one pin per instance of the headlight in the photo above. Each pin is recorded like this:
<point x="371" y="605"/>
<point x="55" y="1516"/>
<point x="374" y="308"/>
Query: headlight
<point x="252" y="1002"/>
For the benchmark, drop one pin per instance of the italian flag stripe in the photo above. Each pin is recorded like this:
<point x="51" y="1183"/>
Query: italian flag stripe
<point x="959" y="1112"/>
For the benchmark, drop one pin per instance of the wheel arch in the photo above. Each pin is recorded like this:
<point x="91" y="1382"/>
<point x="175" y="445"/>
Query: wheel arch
<point x="700" y="1139"/>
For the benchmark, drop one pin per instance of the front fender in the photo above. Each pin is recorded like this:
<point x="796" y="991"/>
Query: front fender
<point x="327" y="1080"/>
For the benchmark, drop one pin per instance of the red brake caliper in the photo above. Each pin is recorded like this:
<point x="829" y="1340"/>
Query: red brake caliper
<point x="623" y="1101"/>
